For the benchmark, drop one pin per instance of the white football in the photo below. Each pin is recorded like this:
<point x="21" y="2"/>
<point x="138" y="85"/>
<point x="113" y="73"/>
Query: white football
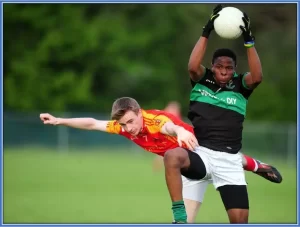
<point x="227" y="24"/>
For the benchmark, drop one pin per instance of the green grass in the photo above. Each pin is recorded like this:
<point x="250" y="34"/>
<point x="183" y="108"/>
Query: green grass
<point x="110" y="187"/>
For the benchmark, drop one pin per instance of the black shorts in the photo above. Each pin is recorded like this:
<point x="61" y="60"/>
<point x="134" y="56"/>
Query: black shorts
<point x="234" y="196"/>
<point x="197" y="169"/>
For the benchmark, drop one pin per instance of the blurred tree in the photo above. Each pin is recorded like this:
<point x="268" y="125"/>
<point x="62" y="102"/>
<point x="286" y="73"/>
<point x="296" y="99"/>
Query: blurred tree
<point x="65" y="57"/>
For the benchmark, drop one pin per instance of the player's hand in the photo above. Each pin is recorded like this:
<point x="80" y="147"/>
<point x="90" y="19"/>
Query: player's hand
<point x="210" y="24"/>
<point x="48" y="119"/>
<point x="247" y="34"/>
<point x="184" y="136"/>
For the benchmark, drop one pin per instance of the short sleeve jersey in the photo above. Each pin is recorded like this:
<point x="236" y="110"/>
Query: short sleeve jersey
<point x="217" y="113"/>
<point x="150" y="138"/>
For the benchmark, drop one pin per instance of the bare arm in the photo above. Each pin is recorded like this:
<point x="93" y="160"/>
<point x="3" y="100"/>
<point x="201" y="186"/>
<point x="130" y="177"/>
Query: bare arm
<point x="183" y="135"/>
<point x="254" y="78"/>
<point x="196" y="70"/>
<point x="169" y="128"/>
<point x="80" y="123"/>
<point x="84" y="123"/>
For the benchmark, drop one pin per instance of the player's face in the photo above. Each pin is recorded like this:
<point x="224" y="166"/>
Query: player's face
<point x="223" y="69"/>
<point x="132" y="122"/>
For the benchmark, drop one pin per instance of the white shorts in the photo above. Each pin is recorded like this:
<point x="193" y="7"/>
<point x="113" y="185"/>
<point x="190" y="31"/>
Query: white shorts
<point x="194" y="189"/>
<point x="221" y="169"/>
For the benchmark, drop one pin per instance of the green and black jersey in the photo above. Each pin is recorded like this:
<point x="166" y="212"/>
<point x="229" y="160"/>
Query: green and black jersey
<point x="217" y="114"/>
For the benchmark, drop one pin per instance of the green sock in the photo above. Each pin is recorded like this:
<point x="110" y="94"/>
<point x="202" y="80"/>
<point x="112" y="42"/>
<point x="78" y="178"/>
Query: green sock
<point x="179" y="212"/>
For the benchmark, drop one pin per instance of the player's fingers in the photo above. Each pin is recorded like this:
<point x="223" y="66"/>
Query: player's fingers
<point x="246" y="22"/>
<point x="186" y="141"/>
<point x="189" y="145"/>
<point x="44" y="115"/>
<point x="195" y="141"/>
<point x="246" y="16"/>
<point x="49" y="122"/>
<point x="218" y="8"/>
<point x="193" y="144"/>
<point x="214" y="17"/>
<point x="192" y="137"/>
<point x="243" y="28"/>
<point x="179" y="142"/>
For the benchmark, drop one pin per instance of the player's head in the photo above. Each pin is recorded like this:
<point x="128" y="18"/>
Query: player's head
<point x="128" y="113"/>
<point x="223" y="65"/>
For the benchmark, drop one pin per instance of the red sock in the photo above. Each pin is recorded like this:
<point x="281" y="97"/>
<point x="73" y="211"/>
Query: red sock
<point x="251" y="164"/>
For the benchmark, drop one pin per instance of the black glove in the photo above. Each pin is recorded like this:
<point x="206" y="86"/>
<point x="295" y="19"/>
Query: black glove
<point x="210" y="24"/>
<point x="247" y="34"/>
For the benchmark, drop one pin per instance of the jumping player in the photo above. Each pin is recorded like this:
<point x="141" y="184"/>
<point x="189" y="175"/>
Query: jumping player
<point x="217" y="111"/>
<point x="193" y="191"/>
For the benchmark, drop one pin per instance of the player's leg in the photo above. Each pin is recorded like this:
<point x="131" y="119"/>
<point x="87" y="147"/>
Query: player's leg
<point x="193" y="195"/>
<point x="193" y="192"/>
<point x="192" y="207"/>
<point x="262" y="169"/>
<point x="236" y="203"/>
<point x="229" y="179"/>
<point x="179" y="162"/>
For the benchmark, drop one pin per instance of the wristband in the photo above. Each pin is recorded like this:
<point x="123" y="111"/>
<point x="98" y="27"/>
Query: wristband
<point x="249" y="44"/>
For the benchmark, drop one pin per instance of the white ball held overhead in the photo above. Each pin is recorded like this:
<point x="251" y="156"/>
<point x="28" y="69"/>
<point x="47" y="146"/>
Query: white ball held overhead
<point x="227" y="24"/>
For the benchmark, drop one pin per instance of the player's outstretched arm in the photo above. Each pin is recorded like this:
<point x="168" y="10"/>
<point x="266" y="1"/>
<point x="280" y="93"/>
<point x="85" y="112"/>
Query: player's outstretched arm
<point x="80" y="123"/>
<point x="183" y="135"/>
<point x="254" y="78"/>
<point x="196" y="70"/>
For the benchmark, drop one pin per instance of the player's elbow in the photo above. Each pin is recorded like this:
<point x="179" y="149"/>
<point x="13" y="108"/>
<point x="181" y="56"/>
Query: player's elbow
<point x="194" y="74"/>
<point x="193" y="67"/>
<point x="91" y="124"/>
<point x="257" y="78"/>
<point x="196" y="71"/>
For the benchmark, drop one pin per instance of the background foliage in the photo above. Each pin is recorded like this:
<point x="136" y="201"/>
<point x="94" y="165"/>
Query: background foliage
<point x="67" y="57"/>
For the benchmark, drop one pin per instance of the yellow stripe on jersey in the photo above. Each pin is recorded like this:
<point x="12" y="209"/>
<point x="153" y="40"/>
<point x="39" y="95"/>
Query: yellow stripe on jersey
<point x="113" y="127"/>
<point x="154" y="122"/>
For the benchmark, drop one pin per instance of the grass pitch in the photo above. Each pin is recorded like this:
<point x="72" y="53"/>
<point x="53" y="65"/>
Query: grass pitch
<point x="112" y="187"/>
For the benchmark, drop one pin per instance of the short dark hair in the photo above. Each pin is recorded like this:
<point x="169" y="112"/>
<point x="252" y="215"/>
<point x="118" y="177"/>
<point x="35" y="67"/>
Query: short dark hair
<point x="224" y="52"/>
<point x="122" y="105"/>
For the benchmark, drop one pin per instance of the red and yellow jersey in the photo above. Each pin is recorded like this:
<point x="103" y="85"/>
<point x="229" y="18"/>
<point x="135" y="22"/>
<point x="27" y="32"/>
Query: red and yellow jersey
<point x="150" y="138"/>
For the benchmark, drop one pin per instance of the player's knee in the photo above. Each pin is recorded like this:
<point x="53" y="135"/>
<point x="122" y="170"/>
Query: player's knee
<point x="238" y="216"/>
<point x="175" y="157"/>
